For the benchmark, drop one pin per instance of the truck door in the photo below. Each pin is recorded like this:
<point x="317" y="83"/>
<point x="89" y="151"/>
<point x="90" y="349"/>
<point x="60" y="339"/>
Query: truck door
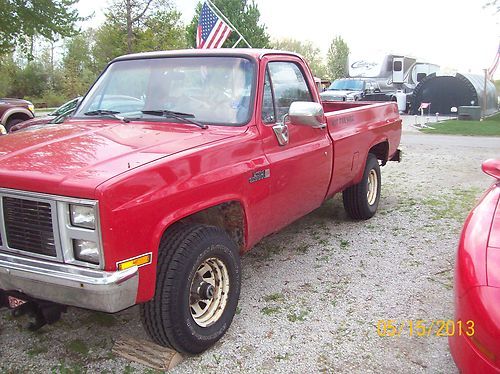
<point x="398" y="71"/>
<point x="301" y="166"/>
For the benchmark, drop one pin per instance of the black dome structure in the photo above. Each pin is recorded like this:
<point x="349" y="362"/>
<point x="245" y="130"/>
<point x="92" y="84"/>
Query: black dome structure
<point x="447" y="91"/>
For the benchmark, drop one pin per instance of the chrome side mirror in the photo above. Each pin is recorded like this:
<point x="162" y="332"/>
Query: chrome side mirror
<point x="306" y="113"/>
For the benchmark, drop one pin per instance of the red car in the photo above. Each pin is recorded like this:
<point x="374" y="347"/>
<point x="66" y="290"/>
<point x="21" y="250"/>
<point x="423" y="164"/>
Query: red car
<point x="476" y="349"/>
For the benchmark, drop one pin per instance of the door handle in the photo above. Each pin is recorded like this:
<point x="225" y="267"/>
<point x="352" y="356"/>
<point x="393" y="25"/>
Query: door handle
<point x="281" y="132"/>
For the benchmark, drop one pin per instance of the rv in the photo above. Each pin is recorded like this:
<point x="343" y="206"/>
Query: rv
<point x="397" y="76"/>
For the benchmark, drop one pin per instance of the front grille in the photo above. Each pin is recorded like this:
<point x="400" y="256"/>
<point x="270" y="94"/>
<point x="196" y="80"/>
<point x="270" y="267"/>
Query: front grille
<point x="28" y="226"/>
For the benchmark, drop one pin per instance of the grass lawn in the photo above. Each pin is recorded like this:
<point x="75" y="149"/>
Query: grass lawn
<point x="489" y="127"/>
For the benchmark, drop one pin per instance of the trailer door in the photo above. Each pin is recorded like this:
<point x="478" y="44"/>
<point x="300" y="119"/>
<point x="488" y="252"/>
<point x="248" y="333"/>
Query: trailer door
<point x="398" y="71"/>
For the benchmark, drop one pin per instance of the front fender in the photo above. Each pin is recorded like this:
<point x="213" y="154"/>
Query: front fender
<point x="137" y="208"/>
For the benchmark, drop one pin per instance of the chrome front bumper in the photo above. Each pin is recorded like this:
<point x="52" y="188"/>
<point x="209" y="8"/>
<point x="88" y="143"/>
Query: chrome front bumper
<point x="68" y="284"/>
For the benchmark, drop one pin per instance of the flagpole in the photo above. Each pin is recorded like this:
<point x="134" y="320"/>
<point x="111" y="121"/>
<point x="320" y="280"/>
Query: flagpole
<point x="237" y="42"/>
<point x="210" y="4"/>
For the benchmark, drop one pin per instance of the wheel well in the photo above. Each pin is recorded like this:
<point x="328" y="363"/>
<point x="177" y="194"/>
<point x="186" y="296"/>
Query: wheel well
<point x="229" y="216"/>
<point x="381" y="151"/>
<point x="22" y="116"/>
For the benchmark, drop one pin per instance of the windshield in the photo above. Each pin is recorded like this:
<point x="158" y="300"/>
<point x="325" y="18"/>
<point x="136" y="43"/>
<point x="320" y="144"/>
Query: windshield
<point x="347" y="85"/>
<point x="215" y="90"/>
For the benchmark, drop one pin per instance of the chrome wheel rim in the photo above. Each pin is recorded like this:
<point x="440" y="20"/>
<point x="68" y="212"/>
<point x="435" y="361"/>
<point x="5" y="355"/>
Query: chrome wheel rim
<point x="209" y="292"/>
<point x="371" y="193"/>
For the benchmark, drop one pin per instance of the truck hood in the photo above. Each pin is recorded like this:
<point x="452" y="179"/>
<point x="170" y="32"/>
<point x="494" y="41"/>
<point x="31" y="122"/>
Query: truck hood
<point x="73" y="158"/>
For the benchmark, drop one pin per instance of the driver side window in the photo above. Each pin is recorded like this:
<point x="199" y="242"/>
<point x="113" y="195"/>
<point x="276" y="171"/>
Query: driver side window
<point x="288" y="85"/>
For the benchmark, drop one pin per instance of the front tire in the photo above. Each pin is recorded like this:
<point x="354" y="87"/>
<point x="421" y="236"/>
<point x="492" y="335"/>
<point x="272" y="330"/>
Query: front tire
<point x="197" y="288"/>
<point x="361" y="200"/>
<point x="11" y="123"/>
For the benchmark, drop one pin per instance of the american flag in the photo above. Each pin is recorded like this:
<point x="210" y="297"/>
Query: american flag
<point x="212" y="31"/>
<point x="494" y="66"/>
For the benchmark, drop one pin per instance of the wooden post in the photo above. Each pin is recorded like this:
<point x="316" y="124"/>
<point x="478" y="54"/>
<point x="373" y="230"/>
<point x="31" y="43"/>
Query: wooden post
<point x="147" y="353"/>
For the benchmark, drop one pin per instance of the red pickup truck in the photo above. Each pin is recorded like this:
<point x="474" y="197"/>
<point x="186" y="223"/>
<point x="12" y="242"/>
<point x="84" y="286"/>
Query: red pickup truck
<point x="173" y="165"/>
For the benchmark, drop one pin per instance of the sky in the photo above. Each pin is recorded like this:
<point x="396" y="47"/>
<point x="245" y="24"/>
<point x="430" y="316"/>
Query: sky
<point x="455" y="34"/>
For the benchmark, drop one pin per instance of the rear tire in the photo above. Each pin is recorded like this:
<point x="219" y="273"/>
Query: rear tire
<point x="197" y="288"/>
<point x="361" y="200"/>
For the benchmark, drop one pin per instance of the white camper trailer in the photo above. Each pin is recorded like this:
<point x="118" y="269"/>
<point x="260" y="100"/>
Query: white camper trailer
<point x="397" y="75"/>
<point x="394" y="69"/>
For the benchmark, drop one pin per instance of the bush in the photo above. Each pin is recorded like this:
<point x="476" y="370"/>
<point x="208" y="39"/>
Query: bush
<point x="49" y="99"/>
<point x="54" y="99"/>
<point x="31" y="80"/>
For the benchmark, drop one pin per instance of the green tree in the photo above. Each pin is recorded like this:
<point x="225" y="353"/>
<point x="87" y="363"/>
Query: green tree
<point x="78" y="65"/>
<point x="110" y="42"/>
<point x="157" y="19"/>
<point x="244" y="15"/>
<point x="129" y="14"/>
<point x="162" y="31"/>
<point x="337" y="58"/>
<point x="23" y="20"/>
<point x="159" y="28"/>
<point x="8" y="70"/>
<point x="308" y="50"/>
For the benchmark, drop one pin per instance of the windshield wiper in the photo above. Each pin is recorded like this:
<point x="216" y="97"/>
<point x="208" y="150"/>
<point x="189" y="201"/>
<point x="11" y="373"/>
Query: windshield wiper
<point x="177" y="115"/>
<point x="109" y="113"/>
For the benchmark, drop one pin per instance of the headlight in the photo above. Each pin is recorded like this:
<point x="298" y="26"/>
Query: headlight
<point x="86" y="250"/>
<point x="31" y="107"/>
<point x="82" y="216"/>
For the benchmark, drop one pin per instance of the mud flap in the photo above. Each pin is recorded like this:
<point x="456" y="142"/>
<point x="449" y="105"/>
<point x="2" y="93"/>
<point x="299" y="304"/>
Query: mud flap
<point x="398" y="156"/>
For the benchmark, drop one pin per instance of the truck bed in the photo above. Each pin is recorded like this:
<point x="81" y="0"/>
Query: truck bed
<point x="357" y="128"/>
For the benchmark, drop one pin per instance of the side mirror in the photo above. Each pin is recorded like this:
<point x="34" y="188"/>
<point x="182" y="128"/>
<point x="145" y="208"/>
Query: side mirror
<point x="306" y="113"/>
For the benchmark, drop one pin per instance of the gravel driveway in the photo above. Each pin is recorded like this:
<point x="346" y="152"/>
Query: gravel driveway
<point x="313" y="293"/>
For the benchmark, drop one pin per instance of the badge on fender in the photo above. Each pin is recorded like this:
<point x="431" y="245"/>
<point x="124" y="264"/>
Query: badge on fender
<point x="259" y="175"/>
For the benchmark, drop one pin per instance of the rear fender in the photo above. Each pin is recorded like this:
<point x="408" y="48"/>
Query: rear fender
<point x="380" y="149"/>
